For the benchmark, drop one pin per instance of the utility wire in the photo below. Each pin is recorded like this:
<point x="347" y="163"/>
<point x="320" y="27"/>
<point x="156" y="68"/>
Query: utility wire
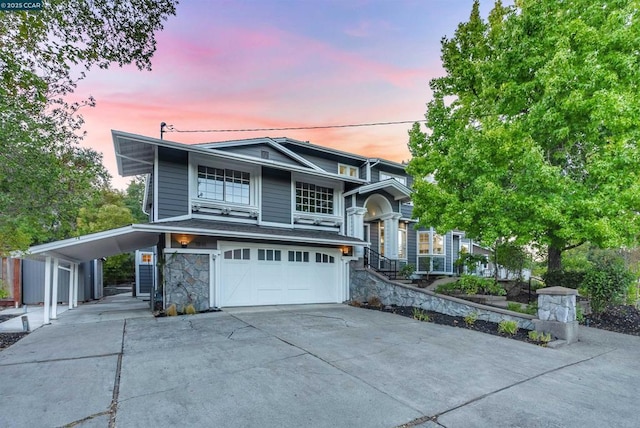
<point x="293" y="128"/>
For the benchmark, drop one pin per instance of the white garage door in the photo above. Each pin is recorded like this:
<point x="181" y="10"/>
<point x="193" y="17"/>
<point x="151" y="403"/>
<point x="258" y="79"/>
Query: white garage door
<point x="253" y="274"/>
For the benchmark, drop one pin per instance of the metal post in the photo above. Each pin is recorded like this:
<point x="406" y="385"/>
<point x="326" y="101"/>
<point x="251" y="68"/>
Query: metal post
<point x="72" y="271"/>
<point x="75" y="287"/>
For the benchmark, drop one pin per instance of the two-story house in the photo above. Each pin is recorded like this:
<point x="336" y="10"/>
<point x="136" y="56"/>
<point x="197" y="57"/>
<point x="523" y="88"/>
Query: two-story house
<point x="265" y="221"/>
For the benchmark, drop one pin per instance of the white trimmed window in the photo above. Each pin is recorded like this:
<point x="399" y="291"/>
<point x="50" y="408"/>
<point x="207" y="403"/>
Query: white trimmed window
<point x="324" y="258"/>
<point x="269" y="255"/>
<point x="348" y="170"/>
<point x="402" y="240"/>
<point x="431" y="252"/>
<point x="299" y="256"/>
<point x="221" y="184"/>
<point x="238" y="254"/>
<point x="311" y="198"/>
<point x="398" y="178"/>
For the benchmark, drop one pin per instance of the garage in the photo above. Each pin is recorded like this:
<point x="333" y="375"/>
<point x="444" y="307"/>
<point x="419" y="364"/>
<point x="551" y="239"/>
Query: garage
<point x="266" y="274"/>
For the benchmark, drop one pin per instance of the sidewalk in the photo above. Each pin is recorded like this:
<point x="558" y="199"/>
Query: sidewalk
<point x="34" y="313"/>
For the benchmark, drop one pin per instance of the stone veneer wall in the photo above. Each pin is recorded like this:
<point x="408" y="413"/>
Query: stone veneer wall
<point x="557" y="308"/>
<point x="187" y="281"/>
<point x="365" y="283"/>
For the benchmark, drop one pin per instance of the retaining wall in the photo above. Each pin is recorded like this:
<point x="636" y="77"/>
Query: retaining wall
<point x="365" y="283"/>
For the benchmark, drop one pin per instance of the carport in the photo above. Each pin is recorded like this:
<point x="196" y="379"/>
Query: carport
<point x="67" y="254"/>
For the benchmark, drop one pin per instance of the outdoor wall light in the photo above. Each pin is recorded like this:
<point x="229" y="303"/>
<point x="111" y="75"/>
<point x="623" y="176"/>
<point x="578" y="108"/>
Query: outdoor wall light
<point x="184" y="243"/>
<point x="346" y="251"/>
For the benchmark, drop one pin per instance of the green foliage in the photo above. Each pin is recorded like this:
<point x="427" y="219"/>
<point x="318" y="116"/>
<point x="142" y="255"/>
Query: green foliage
<point x="513" y="306"/>
<point x="632" y="294"/>
<point x="471" y="318"/>
<point x="420" y="315"/>
<point x="469" y="261"/>
<point x="532" y="132"/>
<point x="579" y="314"/>
<point x="564" y="278"/>
<point x="513" y="258"/>
<point x="45" y="175"/>
<point x="4" y="293"/>
<point x="407" y="270"/>
<point x="607" y="279"/>
<point x="470" y="284"/>
<point x="508" y="327"/>
<point x="537" y="336"/>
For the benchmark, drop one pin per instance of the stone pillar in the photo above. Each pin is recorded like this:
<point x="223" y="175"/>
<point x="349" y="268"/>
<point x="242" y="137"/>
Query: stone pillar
<point x="355" y="226"/>
<point x="557" y="313"/>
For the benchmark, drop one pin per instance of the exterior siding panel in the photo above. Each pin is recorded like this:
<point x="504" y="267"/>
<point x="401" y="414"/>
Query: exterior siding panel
<point x="256" y="152"/>
<point x="173" y="183"/>
<point x="276" y="196"/>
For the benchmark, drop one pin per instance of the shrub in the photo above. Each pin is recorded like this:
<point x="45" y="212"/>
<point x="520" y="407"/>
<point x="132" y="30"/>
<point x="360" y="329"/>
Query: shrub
<point x="515" y="307"/>
<point x="471" y="318"/>
<point x="607" y="279"/>
<point x="540" y="337"/>
<point x="470" y="284"/>
<point x="407" y="271"/>
<point x="420" y="315"/>
<point x="172" y="311"/>
<point x="579" y="314"/>
<point x="564" y="278"/>
<point x="190" y="310"/>
<point x="4" y="293"/>
<point x="508" y="327"/>
<point x="355" y="303"/>
<point x="374" y="301"/>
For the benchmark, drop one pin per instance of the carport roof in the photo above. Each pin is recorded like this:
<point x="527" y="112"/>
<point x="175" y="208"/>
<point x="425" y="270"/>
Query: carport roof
<point x="138" y="236"/>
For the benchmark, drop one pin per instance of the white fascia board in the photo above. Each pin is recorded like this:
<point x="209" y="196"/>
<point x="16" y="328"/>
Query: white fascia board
<point x="381" y="185"/>
<point x="245" y="235"/>
<point x="231" y="156"/>
<point x="51" y="246"/>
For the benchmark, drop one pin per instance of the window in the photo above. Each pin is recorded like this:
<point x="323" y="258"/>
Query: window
<point x="324" y="258"/>
<point x="398" y="178"/>
<point x="431" y="252"/>
<point x="238" y="254"/>
<point x="223" y="185"/>
<point x="348" y="170"/>
<point x="314" y="199"/>
<point x="147" y="258"/>
<point x="299" y="256"/>
<point x="402" y="240"/>
<point x="269" y="255"/>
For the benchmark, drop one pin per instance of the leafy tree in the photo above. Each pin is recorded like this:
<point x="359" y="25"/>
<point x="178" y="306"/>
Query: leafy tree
<point x="134" y="197"/>
<point x="44" y="176"/>
<point x="532" y="134"/>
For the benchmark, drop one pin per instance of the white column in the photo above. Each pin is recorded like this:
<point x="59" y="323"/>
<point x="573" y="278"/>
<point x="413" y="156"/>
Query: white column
<point x="72" y="272"/>
<point x="54" y="289"/>
<point x="47" y="289"/>
<point x="355" y="226"/>
<point x="75" y="287"/>
<point x="391" y="235"/>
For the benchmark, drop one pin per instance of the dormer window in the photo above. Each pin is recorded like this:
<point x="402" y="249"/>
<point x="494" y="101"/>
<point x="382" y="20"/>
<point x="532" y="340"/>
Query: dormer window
<point x="348" y="170"/>
<point x="398" y="178"/>
<point x="226" y="185"/>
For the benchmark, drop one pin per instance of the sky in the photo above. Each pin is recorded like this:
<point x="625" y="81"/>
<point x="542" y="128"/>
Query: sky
<point x="246" y="64"/>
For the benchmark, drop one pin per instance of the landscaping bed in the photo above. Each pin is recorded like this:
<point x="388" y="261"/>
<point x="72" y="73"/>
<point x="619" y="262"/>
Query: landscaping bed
<point x="453" y="321"/>
<point x="8" y="339"/>
<point x="621" y="319"/>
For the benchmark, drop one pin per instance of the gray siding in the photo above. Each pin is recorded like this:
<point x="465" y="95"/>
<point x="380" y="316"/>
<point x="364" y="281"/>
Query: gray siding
<point x="33" y="283"/>
<point x="146" y="278"/>
<point x="406" y="210"/>
<point x="412" y="243"/>
<point x="276" y="196"/>
<point x="173" y="183"/>
<point x="327" y="161"/>
<point x="256" y="152"/>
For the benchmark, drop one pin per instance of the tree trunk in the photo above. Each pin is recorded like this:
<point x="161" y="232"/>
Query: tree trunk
<point x="554" y="259"/>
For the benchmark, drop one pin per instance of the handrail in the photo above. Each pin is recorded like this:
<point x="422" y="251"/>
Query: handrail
<point x="380" y="263"/>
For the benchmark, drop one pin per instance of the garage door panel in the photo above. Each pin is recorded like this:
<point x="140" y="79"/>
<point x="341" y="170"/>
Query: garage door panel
<point x="271" y="282"/>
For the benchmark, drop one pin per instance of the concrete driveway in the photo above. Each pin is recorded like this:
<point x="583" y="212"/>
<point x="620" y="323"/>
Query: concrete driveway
<point x="112" y="364"/>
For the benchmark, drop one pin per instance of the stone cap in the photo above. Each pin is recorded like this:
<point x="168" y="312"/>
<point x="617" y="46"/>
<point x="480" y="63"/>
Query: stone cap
<point x="557" y="291"/>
